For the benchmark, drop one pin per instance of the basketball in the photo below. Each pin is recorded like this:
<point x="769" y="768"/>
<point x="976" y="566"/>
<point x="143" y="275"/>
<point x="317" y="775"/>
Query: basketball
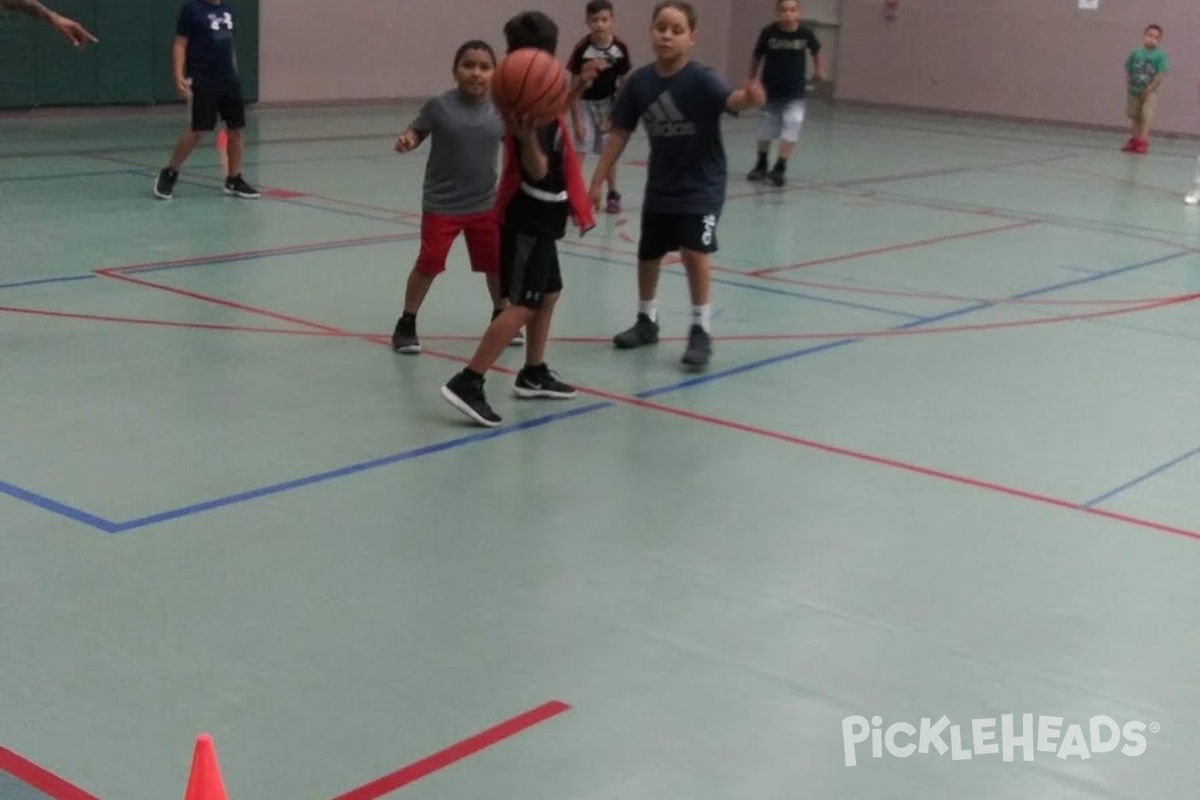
<point x="530" y="81"/>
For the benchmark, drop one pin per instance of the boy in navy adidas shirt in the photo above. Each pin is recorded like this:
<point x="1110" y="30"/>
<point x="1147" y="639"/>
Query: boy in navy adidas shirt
<point x="680" y="103"/>
<point x="205" y="69"/>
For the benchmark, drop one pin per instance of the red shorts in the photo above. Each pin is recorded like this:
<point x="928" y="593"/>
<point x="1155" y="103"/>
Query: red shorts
<point x="438" y="232"/>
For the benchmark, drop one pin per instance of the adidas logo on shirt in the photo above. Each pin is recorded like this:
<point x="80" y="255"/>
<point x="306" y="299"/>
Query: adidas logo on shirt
<point x="664" y="118"/>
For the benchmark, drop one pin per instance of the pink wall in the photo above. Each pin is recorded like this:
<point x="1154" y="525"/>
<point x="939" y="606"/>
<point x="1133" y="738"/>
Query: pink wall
<point x="375" y="49"/>
<point x="1033" y="59"/>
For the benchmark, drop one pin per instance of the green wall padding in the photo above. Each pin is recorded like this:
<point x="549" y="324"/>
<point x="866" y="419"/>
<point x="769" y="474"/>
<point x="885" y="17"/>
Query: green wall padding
<point x="130" y="66"/>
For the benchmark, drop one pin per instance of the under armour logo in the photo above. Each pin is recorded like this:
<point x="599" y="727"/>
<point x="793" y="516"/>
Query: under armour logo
<point x="217" y="21"/>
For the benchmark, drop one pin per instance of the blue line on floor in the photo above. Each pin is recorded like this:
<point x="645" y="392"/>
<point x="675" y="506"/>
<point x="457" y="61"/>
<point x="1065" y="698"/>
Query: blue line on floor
<point x="1140" y="478"/>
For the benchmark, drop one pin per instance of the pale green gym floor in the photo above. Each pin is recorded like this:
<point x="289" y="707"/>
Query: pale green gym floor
<point x="943" y="463"/>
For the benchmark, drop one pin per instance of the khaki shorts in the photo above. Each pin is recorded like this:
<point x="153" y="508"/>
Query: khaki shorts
<point x="1141" y="107"/>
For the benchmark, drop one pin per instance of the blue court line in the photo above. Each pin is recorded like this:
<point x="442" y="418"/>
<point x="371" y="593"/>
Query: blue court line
<point x="64" y="175"/>
<point x="55" y="507"/>
<point x="1140" y="478"/>
<point x="108" y="526"/>
<point x="141" y="522"/>
<point x="940" y="172"/>
<point x="752" y="287"/>
<point x="39" y="281"/>
<point x="958" y="312"/>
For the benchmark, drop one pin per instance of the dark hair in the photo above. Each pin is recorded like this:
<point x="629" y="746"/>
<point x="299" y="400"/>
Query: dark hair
<point x="474" y="44"/>
<point x="531" y="29"/>
<point x="778" y="3"/>
<point x="1154" y="27"/>
<point x="596" y="6"/>
<point x="687" y="9"/>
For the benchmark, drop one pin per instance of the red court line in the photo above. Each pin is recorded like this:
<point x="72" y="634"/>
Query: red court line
<point x="905" y="466"/>
<point x="115" y="275"/>
<point x="892" y="248"/>
<point x="455" y="752"/>
<point x="160" y="322"/>
<point x="266" y="251"/>
<point x="41" y="779"/>
<point x="674" y="259"/>
<point x="831" y="449"/>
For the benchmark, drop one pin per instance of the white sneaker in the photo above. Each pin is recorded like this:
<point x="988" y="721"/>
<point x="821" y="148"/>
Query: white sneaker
<point x="1192" y="197"/>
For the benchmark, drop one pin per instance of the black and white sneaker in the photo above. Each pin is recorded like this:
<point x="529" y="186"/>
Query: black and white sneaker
<point x="699" y="348"/>
<point x="164" y="184"/>
<point x="236" y="185"/>
<point x="466" y="394"/>
<point x="643" y="332"/>
<point x="404" y="338"/>
<point x="539" y="381"/>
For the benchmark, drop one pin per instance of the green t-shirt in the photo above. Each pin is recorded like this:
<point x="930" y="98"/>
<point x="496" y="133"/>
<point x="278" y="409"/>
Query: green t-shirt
<point x="1143" y="65"/>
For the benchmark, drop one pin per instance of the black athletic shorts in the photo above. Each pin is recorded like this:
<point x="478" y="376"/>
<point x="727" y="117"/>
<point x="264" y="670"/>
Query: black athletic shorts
<point x="529" y="268"/>
<point x="210" y="102"/>
<point x="667" y="233"/>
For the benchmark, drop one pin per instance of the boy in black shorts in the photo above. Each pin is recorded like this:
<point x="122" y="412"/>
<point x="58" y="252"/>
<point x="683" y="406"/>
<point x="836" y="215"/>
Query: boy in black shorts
<point x="540" y="188"/>
<point x="680" y="103"/>
<point x="205" y="67"/>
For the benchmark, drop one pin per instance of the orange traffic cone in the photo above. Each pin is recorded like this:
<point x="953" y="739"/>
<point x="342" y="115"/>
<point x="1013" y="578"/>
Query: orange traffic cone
<point x="204" y="782"/>
<point x="223" y="150"/>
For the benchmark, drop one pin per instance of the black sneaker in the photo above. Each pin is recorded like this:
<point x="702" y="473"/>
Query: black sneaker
<point x="404" y="338"/>
<point x="164" y="184"/>
<point x="466" y="394"/>
<point x="778" y="177"/>
<point x="758" y="173"/>
<point x="699" y="348"/>
<point x="643" y="332"/>
<point x="236" y="185"/>
<point x="541" y="382"/>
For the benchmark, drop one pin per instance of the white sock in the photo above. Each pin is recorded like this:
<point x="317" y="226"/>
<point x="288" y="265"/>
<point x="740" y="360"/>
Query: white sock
<point x="702" y="316"/>
<point x="649" y="308"/>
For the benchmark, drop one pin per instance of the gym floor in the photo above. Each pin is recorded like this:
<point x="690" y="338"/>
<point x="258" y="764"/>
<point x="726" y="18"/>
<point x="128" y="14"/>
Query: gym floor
<point x="942" y="464"/>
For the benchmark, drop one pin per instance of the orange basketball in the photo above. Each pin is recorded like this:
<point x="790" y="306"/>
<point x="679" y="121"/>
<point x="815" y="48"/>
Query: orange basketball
<point x="531" y="81"/>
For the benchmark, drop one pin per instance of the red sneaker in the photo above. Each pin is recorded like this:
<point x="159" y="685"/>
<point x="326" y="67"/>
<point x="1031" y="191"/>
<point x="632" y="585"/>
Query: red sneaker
<point x="1130" y="146"/>
<point x="1142" y="146"/>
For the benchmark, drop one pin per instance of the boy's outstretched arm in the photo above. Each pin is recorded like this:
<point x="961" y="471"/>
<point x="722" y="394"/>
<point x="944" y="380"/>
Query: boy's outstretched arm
<point x="587" y="76"/>
<point x="617" y="139"/>
<point x="751" y="95"/>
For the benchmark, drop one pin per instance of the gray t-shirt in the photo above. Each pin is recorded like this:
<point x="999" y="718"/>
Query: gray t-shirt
<point x="461" y="173"/>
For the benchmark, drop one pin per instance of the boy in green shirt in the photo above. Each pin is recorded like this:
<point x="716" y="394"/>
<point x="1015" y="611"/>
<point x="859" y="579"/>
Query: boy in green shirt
<point x="1145" y="69"/>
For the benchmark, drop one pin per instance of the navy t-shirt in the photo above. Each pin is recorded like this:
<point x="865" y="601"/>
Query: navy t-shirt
<point x="681" y="114"/>
<point x="785" y="66"/>
<point x="208" y="27"/>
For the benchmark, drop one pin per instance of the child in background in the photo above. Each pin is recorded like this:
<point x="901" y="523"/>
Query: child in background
<point x="781" y="50"/>
<point x="460" y="185"/>
<point x="1145" y="69"/>
<point x="205" y="67"/>
<point x="592" y="111"/>
<point x="541" y="187"/>
<point x="680" y="103"/>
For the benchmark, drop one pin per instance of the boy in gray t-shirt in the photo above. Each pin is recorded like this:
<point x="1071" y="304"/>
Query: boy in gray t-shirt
<point x="460" y="185"/>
